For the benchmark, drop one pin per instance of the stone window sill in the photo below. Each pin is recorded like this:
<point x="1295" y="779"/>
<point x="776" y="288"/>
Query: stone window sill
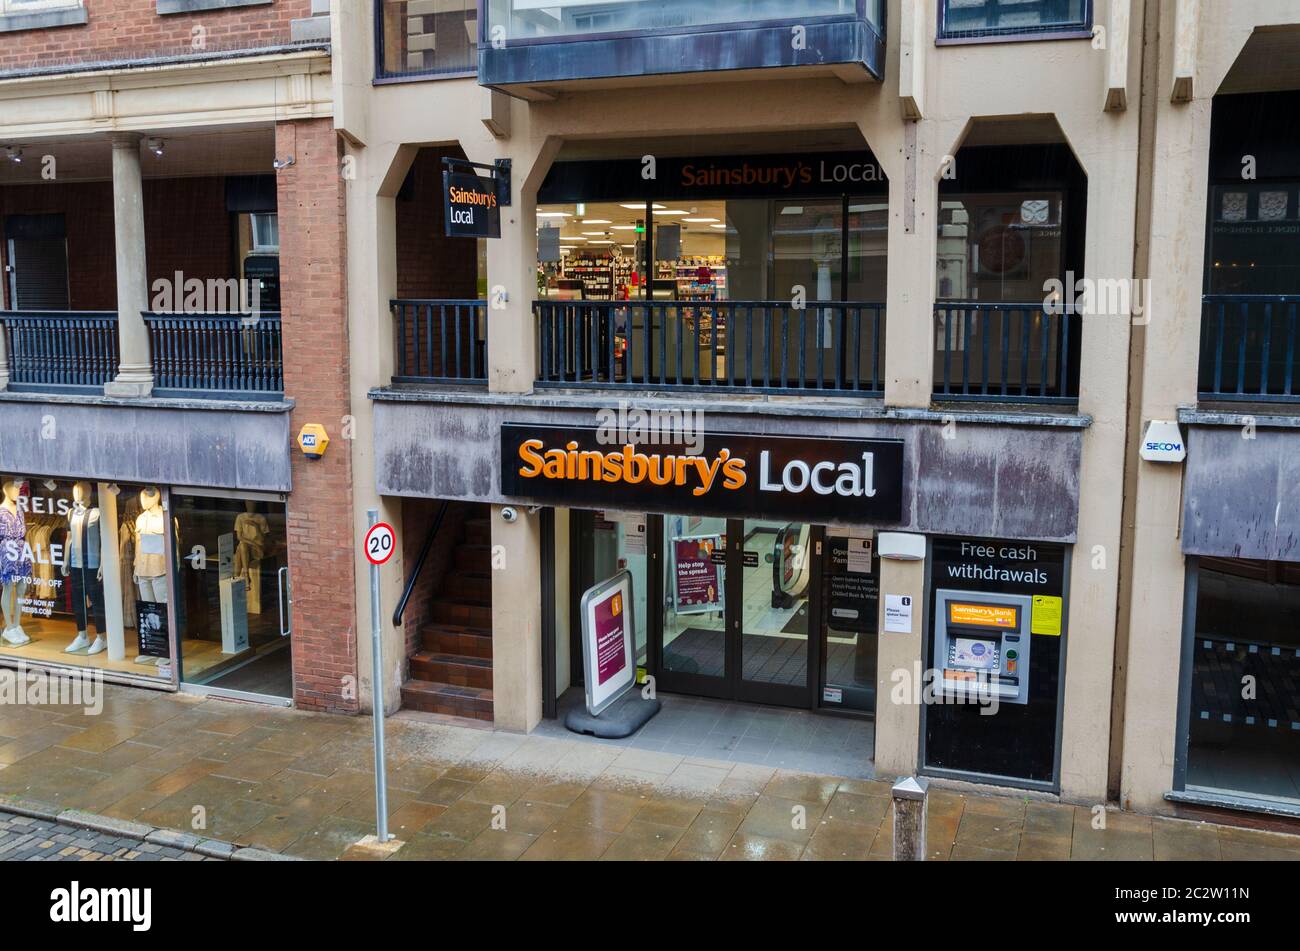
<point x="199" y="6"/>
<point x="70" y="15"/>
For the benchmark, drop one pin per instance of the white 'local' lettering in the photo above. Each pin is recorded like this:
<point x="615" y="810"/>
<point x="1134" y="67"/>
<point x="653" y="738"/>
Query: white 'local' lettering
<point x="824" y="478"/>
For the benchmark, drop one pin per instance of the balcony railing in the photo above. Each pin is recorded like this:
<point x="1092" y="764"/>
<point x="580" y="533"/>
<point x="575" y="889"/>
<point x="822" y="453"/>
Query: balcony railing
<point x="1249" y="348"/>
<point x="60" y="351"/>
<point x="216" y="355"/>
<point x="226" y="356"/>
<point x="834" y="348"/>
<point x="440" y="341"/>
<point x="1017" y="353"/>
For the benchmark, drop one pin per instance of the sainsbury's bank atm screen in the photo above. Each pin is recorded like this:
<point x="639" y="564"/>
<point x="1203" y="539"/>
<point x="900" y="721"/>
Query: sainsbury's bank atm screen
<point x="982" y="644"/>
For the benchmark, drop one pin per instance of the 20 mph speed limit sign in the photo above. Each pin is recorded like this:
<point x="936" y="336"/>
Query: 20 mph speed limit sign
<point x="380" y="543"/>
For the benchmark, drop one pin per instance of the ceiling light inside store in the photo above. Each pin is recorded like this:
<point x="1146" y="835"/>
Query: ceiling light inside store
<point x="623" y="228"/>
<point x="640" y="204"/>
<point x="595" y="221"/>
<point x="700" y="221"/>
<point x="670" y="211"/>
<point x="572" y="237"/>
<point x="600" y="242"/>
<point x="594" y="234"/>
<point x="554" y="214"/>
<point x="719" y="227"/>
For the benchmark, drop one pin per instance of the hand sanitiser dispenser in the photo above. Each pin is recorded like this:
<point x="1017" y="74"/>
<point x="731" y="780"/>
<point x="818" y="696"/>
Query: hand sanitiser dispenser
<point x="981" y="644"/>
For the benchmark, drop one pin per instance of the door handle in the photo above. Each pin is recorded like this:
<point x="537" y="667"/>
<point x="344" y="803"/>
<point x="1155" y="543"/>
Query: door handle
<point x="284" y="599"/>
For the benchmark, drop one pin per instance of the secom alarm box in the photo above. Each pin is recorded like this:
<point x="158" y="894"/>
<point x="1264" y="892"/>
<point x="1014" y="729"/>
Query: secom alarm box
<point x="981" y="644"/>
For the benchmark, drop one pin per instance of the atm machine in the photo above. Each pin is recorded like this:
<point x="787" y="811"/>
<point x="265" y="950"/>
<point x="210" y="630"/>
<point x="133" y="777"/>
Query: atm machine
<point x="981" y="644"/>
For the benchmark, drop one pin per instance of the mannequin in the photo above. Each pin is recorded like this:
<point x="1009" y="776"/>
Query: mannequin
<point x="15" y="569"/>
<point x="81" y="558"/>
<point x="150" y="572"/>
<point x="251" y="530"/>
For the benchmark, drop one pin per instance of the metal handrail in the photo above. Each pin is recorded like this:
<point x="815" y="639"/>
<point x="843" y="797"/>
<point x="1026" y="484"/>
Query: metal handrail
<point x="419" y="564"/>
<point x="1250" y="348"/>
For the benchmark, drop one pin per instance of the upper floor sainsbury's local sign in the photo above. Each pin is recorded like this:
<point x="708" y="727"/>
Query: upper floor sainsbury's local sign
<point x="729" y="474"/>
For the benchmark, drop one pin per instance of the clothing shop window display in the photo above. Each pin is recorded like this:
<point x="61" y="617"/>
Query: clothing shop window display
<point x="235" y="634"/>
<point x="73" y="571"/>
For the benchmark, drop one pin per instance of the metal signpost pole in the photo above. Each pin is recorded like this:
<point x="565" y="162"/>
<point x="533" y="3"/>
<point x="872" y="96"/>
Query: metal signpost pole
<point x="377" y="694"/>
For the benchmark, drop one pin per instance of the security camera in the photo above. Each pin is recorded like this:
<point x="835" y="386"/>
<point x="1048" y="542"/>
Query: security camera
<point x="509" y="514"/>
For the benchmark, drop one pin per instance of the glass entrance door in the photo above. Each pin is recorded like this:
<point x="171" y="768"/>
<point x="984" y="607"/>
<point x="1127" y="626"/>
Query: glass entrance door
<point x="737" y="609"/>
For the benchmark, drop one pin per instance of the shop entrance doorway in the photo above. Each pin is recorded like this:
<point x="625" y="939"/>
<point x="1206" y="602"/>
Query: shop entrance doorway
<point x="756" y="610"/>
<point x="738" y="609"/>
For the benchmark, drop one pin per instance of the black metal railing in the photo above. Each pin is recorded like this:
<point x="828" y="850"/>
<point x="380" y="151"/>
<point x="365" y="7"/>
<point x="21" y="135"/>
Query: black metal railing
<point x="1249" y="348"/>
<point x="836" y="348"/>
<point x="1017" y="353"/>
<point x="60" y="351"/>
<point x="434" y="527"/>
<point x="216" y="355"/>
<point x="440" y="341"/>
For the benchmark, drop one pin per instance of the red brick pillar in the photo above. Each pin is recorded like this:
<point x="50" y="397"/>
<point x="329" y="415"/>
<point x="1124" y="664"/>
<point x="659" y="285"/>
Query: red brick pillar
<point x="310" y="197"/>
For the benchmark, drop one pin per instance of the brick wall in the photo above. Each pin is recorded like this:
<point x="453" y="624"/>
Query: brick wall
<point x="187" y="228"/>
<point x="129" y="29"/>
<point x="432" y="266"/>
<point x="321" y="537"/>
<point x="429" y="264"/>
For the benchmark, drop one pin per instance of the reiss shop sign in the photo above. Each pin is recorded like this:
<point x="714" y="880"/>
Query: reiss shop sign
<point x="730" y="474"/>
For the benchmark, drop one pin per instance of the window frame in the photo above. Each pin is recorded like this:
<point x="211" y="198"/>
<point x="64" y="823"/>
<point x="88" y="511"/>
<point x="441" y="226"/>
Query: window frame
<point x="1068" y="31"/>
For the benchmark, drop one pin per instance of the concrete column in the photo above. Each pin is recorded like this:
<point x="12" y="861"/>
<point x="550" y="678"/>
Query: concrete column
<point x="135" y="371"/>
<point x="900" y="664"/>
<point x="1171" y="358"/>
<point x="909" y="310"/>
<point x="372" y="283"/>
<point x="516" y="621"/>
<point x="512" y="271"/>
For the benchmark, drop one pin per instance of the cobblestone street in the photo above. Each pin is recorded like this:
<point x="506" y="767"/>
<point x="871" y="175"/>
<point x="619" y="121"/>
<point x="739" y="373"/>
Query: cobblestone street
<point x="24" y="839"/>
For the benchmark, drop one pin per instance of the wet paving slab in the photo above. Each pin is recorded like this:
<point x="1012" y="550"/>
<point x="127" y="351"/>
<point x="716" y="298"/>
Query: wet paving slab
<point x="301" y="784"/>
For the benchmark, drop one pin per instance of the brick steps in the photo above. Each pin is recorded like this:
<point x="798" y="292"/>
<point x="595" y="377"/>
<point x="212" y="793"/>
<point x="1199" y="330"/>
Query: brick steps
<point x="458" y="670"/>
<point x="452" y="672"/>
<point x="428" y="697"/>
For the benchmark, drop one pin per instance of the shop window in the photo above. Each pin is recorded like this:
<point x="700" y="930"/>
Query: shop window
<point x="426" y="37"/>
<point x="1242" y="679"/>
<point x="978" y="19"/>
<point x="86" y="575"/>
<point x="999" y="248"/>
<point x="1254" y="245"/>
<point x="235" y="634"/>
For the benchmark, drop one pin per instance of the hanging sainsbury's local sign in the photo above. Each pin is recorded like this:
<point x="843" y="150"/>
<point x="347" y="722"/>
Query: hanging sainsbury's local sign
<point x="793" y="477"/>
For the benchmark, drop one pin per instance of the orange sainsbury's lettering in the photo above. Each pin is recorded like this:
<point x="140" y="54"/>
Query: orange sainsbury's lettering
<point x="629" y="466"/>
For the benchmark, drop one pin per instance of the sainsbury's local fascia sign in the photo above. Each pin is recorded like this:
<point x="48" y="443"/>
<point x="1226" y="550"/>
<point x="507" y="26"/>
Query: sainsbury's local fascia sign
<point x="728" y="474"/>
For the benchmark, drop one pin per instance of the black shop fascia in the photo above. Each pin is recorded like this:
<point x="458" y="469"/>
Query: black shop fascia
<point x="844" y="480"/>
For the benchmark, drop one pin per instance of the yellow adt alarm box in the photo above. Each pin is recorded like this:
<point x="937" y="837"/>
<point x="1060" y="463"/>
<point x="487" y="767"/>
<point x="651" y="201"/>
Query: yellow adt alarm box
<point x="312" y="440"/>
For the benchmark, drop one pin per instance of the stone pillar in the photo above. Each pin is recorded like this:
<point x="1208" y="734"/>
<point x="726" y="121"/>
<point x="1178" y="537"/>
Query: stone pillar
<point x="909" y="294"/>
<point x="516" y="620"/>
<point x="372" y="283"/>
<point x="135" y="369"/>
<point x="512" y="272"/>
<point x="900" y="663"/>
